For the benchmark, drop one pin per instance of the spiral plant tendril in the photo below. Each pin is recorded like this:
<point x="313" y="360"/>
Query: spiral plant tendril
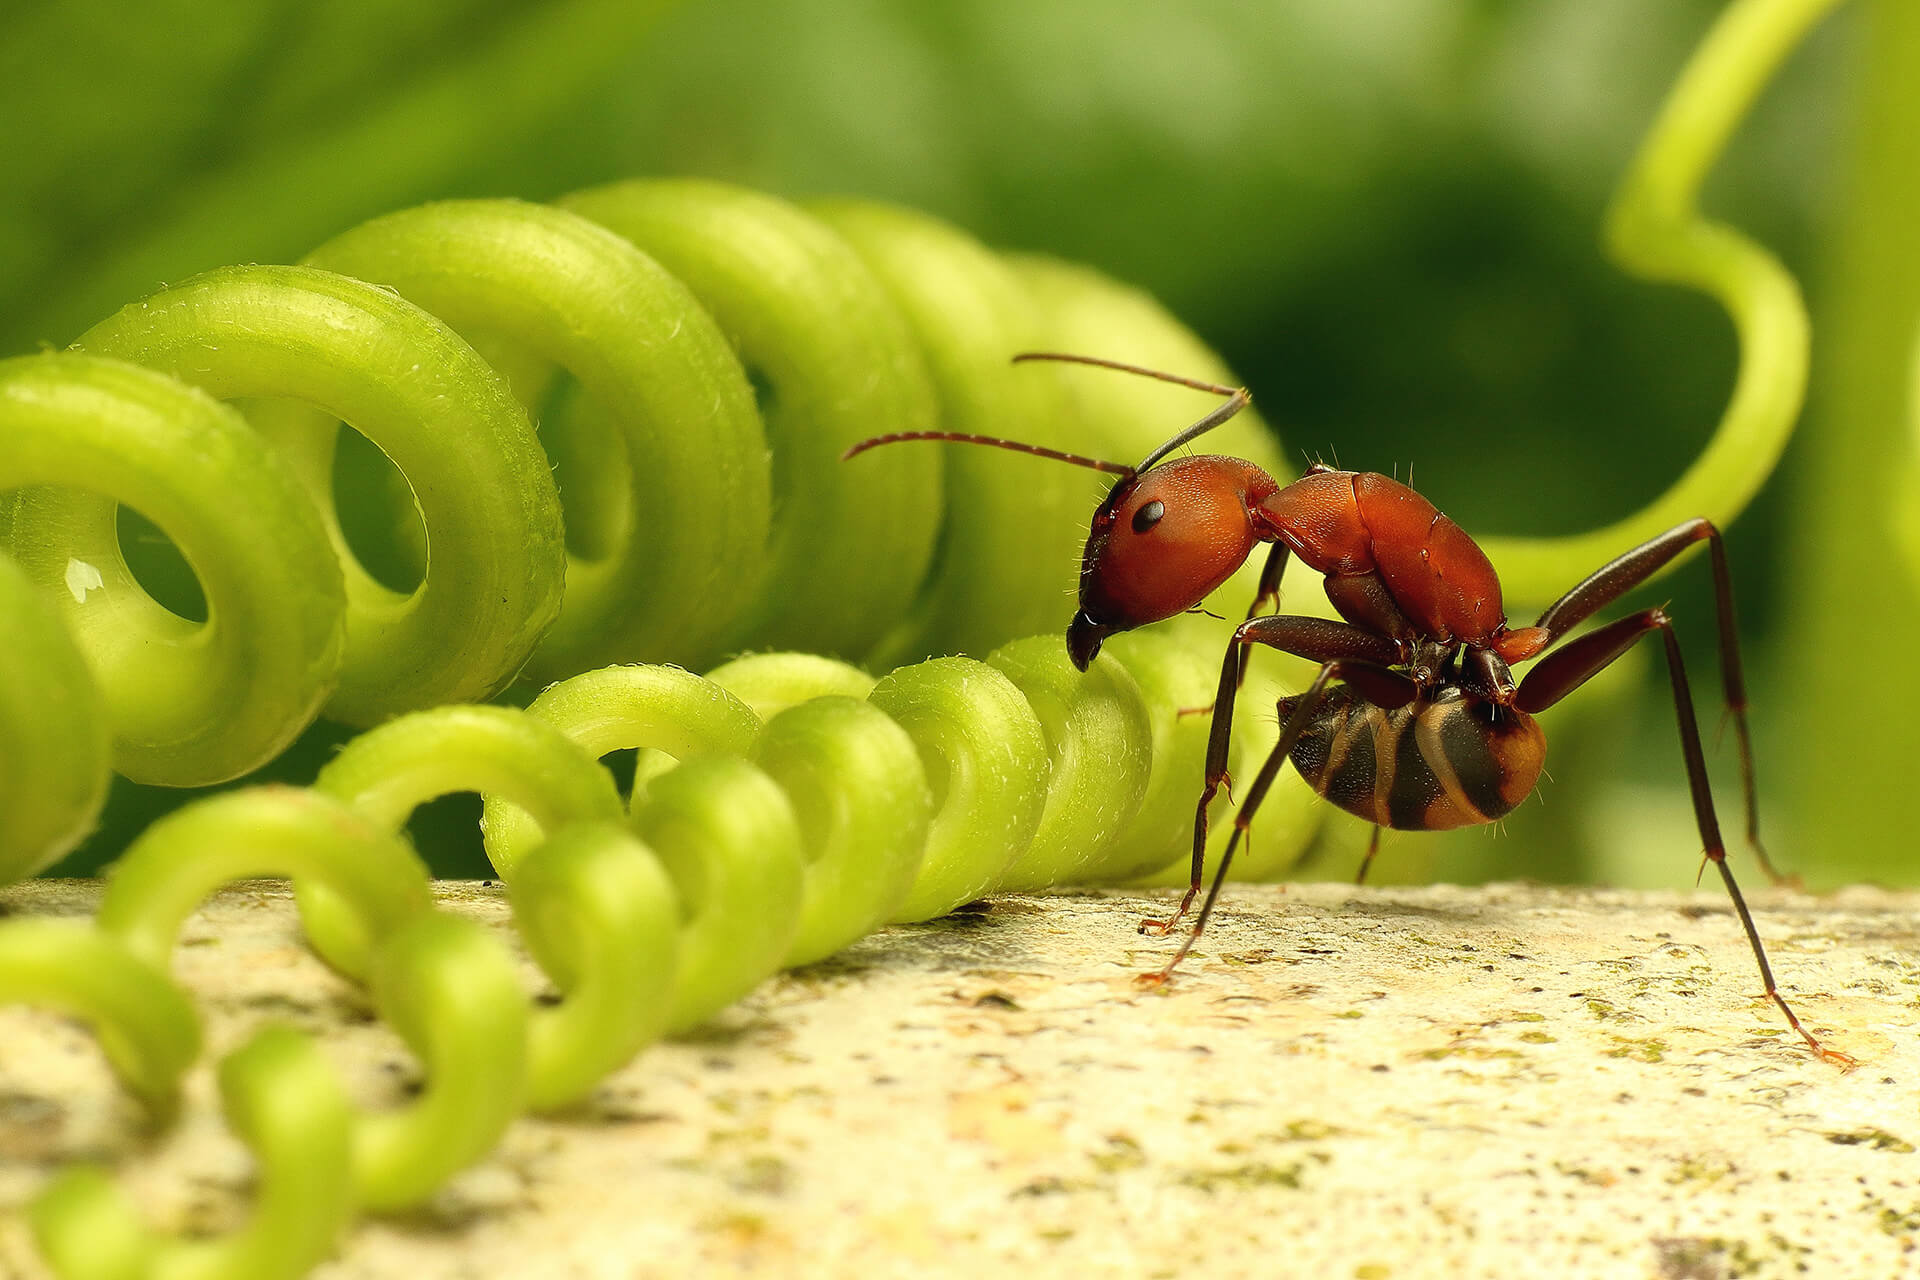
<point x="696" y="358"/>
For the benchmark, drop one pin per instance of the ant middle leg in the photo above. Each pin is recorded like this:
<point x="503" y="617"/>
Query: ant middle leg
<point x="1317" y="639"/>
<point x="1374" y="682"/>
<point x="1366" y="863"/>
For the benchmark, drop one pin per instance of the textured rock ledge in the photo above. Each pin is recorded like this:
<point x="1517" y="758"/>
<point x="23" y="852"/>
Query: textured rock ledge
<point x="1384" y="1083"/>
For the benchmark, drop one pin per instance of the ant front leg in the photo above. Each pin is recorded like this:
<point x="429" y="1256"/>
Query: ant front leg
<point x="1375" y="683"/>
<point x="1318" y="639"/>
<point x="1621" y="575"/>
<point x="1570" y="666"/>
<point x="1267" y="596"/>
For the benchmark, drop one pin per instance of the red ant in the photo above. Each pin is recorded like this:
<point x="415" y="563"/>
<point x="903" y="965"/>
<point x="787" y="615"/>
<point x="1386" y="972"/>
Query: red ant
<point x="1415" y="720"/>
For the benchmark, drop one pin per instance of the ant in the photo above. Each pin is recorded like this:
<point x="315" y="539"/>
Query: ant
<point x="1414" y="720"/>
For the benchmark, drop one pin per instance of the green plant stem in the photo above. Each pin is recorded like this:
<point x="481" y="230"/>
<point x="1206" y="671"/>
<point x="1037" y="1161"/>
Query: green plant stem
<point x="147" y="1027"/>
<point x="188" y="704"/>
<point x="1853" y="594"/>
<point x="1655" y="230"/>
<point x="680" y="467"/>
<point x="837" y="363"/>
<point x="54" y="727"/>
<point x="598" y="911"/>
<point x="363" y="355"/>
<point x="285" y="1101"/>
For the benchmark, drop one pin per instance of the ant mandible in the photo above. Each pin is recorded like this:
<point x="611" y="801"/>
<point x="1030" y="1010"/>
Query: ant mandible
<point x="1414" y="720"/>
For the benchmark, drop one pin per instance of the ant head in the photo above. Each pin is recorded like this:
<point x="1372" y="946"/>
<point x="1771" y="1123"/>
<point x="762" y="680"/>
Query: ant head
<point x="1160" y="543"/>
<point x="1166" y="535"/>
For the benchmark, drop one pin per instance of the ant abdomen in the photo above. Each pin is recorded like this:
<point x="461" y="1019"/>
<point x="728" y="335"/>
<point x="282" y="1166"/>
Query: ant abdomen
<point x="1432" y="765"/>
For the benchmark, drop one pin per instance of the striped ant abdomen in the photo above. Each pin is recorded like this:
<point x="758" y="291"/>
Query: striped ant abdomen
<point x="1449" y="760"/>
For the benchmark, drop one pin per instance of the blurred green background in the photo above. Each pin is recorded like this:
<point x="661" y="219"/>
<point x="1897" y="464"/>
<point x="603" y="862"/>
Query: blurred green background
<point x="1384" y="213"/>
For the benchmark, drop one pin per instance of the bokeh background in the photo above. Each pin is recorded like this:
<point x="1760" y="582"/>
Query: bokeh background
<point x="1384" y="213"/>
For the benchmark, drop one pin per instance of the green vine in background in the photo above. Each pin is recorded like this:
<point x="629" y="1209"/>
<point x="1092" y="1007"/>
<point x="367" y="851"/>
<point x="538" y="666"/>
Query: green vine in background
<point x="52" y="791"/>
<point x="1859" y="491"/>
<point x="1907" y="516"/>
<point x="1654" y="229"/>
<point x="694" y="393"/>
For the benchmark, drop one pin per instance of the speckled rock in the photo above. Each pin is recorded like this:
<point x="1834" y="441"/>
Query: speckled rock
<point x="1504" y="1081"/>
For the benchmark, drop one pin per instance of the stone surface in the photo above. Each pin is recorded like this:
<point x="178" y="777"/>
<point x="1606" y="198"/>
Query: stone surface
<point x="1501" y="1081"/>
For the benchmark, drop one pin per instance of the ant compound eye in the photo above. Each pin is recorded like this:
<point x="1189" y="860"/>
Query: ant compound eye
<point x="1148" y="516"/>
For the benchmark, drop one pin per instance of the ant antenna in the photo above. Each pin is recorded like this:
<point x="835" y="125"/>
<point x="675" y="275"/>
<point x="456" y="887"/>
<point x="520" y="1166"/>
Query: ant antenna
<point x="1039" y="451"/>
<point x="1237" y="398"/>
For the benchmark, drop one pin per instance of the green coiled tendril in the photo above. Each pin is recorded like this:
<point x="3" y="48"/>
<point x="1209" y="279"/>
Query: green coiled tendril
<point x="615" y="425"/>
<point x="1655" y="230"/>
